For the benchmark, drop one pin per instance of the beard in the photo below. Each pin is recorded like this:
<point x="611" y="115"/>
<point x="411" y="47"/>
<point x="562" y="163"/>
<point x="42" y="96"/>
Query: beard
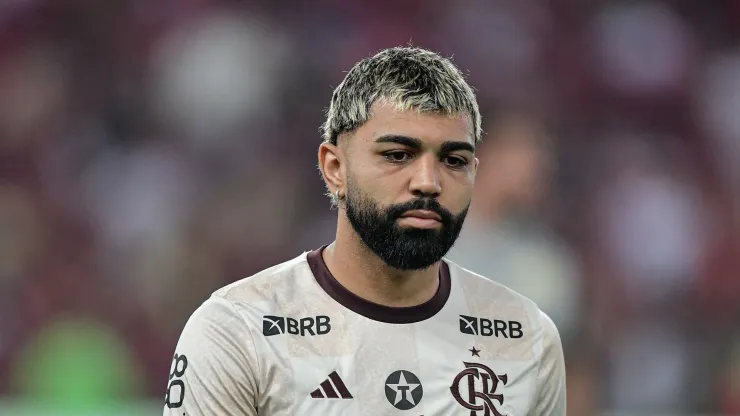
<point x="403" y="248"/>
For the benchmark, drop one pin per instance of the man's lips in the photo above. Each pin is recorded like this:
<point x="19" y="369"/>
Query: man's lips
<point x="423" y="214"/>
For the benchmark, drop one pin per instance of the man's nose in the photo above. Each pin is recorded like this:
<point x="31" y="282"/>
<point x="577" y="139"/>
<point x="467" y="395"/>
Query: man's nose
<point x="426" y="179"/>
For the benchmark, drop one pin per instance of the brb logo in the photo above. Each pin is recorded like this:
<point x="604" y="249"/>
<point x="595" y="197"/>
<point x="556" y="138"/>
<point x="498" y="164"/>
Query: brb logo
<point x="479" y="400"/>
<point x="485" y="327"/>
<point x="276" y="325"/>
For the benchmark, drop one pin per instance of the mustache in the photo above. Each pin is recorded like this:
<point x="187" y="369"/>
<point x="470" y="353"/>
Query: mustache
<point x="429" y="204"/>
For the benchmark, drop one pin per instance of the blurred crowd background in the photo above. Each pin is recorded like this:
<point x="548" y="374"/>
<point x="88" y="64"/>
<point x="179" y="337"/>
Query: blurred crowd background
<point x="152" y="151"/>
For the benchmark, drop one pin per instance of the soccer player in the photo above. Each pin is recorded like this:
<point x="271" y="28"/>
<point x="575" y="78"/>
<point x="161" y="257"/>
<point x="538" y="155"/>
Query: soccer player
<point x="378" y="323"/>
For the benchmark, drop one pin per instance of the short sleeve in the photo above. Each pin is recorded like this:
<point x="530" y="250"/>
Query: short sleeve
<point x="214" y="368"/>
<point x="551" y="396"/>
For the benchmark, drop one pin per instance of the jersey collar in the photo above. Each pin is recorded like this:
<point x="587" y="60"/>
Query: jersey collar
<point x="372" y="310"/>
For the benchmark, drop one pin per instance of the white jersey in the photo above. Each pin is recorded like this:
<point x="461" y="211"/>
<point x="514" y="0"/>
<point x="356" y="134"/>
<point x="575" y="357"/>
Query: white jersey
<point x="291" y="340"/>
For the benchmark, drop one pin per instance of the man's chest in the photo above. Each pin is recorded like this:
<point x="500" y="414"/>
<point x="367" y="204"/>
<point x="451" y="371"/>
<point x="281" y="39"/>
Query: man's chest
<point x="367" y="368"/>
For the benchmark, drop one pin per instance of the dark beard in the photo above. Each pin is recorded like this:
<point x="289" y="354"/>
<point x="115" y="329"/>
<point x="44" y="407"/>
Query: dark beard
<point x="403" y="248"/>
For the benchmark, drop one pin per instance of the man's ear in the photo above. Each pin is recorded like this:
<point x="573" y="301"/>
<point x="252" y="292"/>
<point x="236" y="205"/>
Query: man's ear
<point x="332" y="166"/>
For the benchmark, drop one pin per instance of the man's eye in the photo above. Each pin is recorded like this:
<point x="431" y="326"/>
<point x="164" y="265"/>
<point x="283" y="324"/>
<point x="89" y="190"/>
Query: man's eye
<point x="397" y="156"/>
<point x="455" y="162"/>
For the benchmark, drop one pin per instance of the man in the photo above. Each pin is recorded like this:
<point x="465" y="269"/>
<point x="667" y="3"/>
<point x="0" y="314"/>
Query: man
<point x="377" y="323"/>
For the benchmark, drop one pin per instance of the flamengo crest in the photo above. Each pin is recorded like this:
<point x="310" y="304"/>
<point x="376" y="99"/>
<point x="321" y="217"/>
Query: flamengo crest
<point x="479" y="400"/>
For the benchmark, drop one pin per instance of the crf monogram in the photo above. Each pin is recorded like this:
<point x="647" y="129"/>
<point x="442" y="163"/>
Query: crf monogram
<point x="489" y="380"/>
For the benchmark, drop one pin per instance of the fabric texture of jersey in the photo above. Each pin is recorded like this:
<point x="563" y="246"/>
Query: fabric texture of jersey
<point x="291" y="340"/>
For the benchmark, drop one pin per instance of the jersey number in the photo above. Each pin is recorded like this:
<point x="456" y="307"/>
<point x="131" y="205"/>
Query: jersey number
<point x="176" y="389"/>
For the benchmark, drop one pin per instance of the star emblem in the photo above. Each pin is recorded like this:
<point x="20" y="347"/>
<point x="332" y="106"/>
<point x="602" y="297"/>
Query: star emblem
<point x="475" y="352"/>
<point x="403" y="390"/>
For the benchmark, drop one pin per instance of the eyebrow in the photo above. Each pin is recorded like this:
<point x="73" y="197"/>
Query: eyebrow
<point x="449" y="147"/>
<point x="414" y="143"/>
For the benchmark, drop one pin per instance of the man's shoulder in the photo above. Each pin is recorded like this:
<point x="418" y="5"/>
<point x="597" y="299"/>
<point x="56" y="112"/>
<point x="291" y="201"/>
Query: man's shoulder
<point x="267" y="283"/>
<point x="484" y="291"/>
<point x="485" y="286"/>
<point x="486" y="295"/>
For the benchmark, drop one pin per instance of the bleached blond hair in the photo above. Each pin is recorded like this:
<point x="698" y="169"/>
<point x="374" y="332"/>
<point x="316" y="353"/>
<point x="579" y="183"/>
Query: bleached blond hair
<point x="406" y="78"/>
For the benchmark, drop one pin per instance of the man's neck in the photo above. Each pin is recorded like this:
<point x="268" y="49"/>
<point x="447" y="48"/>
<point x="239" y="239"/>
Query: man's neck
<point x="363" y="273"/>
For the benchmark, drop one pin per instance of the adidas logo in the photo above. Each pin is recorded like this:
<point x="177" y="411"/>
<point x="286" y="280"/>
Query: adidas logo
<point x="332" y="388"/>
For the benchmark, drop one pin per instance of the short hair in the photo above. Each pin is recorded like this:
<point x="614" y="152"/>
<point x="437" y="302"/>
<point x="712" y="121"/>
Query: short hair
<point x="405" y="77"/>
